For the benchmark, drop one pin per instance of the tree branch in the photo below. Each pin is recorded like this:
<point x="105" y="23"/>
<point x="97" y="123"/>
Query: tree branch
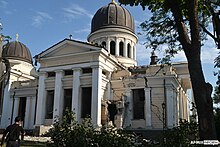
<point x="210" y="34"/>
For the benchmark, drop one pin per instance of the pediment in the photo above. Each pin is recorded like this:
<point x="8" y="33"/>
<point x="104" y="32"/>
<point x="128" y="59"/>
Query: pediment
<point x="67" y="47"/>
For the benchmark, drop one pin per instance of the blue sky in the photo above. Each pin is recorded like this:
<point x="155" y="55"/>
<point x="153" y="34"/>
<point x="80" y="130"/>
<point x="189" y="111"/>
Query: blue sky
<point x="42" y="23"/>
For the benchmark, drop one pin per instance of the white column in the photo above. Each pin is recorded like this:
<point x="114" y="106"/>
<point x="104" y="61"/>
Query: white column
<point x="134" y="52"/>
<point x="116" y="47"/>
<point x="41" y="99"/>
<point x="125" y="48"/>
<point x="108" y="45"/>
<point x="175" y="118"/>
<point x="58" y="96"/>
<point x="7" y="107"/>
<point x="96" y="95"/>
<point x="75" y="93"/>
<point x="16" y="106"/>
<point x="169" y="107"/>
<point x="148" y="107"/>
<point x="28" y="112"/>
<point x="181" y="103"/>
<point x="31" y="115"/>
<point x="128" y="110"/>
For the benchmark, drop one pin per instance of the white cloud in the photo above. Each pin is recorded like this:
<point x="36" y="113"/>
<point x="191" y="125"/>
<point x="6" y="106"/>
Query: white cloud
<point x="3" y="4"/>
<point x="40" y="18"/>
<point x="74" y="11"/>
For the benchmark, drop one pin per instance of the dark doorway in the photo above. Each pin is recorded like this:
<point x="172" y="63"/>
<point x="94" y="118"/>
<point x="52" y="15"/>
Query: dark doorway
<point x="22" y="108"/>
<point x="86" y="102"/>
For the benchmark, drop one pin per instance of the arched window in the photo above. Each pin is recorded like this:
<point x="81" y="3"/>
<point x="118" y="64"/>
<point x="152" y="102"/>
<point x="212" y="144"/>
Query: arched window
<point x="121" y="46"/>
<point x="104" y="44"/>
<point x="112" y="47"/>
<point x="129" y="50"/>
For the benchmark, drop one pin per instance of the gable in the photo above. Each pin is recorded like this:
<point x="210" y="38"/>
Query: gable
<point x="67" y="47"/>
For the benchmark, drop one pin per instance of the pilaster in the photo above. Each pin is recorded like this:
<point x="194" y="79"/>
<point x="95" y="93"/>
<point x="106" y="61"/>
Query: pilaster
<point x="128" y="111"/>
<point x="148" y="117"/>
<point x="116" y="46"/>
<point x="169" y="107"/>
<point x="125" y="48"/>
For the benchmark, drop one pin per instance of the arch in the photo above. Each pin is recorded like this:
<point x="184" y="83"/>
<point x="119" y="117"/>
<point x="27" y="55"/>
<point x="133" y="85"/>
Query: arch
<point x="104" y="44"/>
<point x="129" y="50"/>
<point x="121" y="48"/>
<point x="112" y="47"/>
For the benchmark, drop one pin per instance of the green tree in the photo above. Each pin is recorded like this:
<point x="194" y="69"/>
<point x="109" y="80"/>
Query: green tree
<point x="183" y="25"/>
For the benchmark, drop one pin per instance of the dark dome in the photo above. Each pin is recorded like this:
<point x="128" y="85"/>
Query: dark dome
<point x="17" y="50"/>
<point x="112" y="15"/>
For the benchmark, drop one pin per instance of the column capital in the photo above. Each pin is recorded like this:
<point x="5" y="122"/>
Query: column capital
<point x="42" y="73"/>
<point x="59" y="71"/>
<point x="97" y="66"/>
<point x="77" y="68"/>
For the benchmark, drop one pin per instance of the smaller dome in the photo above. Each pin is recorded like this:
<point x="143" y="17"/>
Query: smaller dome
<point x="16" y="50"/>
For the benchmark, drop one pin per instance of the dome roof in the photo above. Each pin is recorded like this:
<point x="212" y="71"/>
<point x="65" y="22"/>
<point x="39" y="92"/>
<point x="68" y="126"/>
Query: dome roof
<point x="17" y="50"/>
<point x="112" y="15"/>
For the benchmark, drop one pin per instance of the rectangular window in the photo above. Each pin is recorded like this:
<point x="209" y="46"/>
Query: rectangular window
<point x="138" y="103"/>
<point x="67" y="104"/>
<point x="51" y="74"/>
<point x="86" y="70"/>
<point x="86" y="102"/>
<point x="68" y="72"/>
<point x="49" y="104"/>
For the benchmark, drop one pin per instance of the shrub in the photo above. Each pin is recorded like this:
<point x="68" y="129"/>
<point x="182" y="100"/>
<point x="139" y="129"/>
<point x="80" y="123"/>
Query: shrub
<point x="68" y="133"/>
<point x="181" y="135"/>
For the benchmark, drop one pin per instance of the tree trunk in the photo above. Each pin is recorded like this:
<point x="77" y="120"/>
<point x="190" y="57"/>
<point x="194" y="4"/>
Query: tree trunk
<point x="202" y="95"/>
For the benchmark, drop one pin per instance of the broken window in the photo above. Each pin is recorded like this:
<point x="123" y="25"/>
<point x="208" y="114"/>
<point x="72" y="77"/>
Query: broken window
<point x="138" y="103"/>
<point x="49" y="104"/>
<point x="86" y="102"/>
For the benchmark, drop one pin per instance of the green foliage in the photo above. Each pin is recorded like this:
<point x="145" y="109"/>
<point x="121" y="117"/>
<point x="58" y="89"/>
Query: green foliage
<point x="217" y="122"/>
<point x="68" y="133"/>
<point x="216" y="95"/>
<point x="181" y="135"/>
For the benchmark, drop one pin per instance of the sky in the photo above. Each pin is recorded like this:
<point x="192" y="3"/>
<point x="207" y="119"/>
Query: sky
<point x="42" y="23"/>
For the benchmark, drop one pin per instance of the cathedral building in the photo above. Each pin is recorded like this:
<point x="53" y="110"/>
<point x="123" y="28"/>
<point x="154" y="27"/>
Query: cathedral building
<point x="99" y="79"/>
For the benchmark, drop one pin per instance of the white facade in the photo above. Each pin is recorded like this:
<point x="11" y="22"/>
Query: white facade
<point x="87" y="78"/>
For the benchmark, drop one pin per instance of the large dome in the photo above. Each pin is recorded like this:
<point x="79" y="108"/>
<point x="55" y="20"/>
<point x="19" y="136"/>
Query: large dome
<point x="112" y="15"/>
<point x="17" y="50"/>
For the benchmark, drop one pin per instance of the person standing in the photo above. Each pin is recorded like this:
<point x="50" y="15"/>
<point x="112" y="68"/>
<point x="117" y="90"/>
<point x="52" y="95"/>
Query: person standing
<point x="12" y="133"/>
